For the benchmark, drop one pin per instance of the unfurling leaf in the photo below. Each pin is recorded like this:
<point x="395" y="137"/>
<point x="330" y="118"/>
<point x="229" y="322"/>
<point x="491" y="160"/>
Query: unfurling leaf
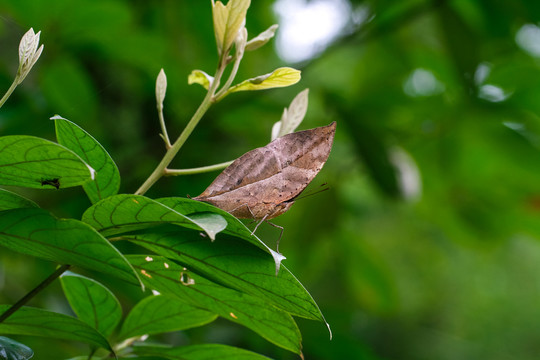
<point x="201" y="78"/>
<point x="262" y="38"/>
<point x="161" y="88"/>
<point x="28" y="53"/>
<point x="292" y="116"/>
<point x="240" y="43"/>
<point x="228" y="20"/>
<point x="278" y="78"/>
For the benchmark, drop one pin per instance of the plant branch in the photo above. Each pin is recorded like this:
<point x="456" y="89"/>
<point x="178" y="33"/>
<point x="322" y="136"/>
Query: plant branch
<point x="9" y="91"/>
<point x="160" y="170"/>
<point x="164" y="134"/>
<point x="34" y="292"/>
<point x="198" y="170"/>
<point x="223" y="91"/>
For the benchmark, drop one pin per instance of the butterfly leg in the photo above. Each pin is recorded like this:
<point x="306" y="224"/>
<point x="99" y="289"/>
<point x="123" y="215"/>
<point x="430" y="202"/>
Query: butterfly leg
<point x="259" y="223"/>
<point x="280" y="234"/>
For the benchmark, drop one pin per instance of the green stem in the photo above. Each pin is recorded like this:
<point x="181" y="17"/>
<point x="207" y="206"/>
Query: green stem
<point x="164" y="134"/>
<point x="34" y="292"/>
<point x="199" y="170"/>
<point x="10" y="91"/>
<point x="160" y="170"/>
<point x="223" y="91"/>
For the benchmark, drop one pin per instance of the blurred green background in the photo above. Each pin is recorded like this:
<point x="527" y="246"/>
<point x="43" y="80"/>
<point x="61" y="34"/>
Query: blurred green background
<point x="427" y="244"/>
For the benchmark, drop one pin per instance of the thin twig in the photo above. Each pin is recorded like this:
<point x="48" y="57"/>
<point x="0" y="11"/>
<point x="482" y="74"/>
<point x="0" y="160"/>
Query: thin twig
<point x="198" y="170"/>
<point x="34" y="292"/>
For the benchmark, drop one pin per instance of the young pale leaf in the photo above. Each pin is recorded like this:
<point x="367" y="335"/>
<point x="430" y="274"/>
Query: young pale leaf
<point x="93" y="303"/>
<point x="198" y="352"/>
<point x="10" y="200"/>
<point x="201" y="78"/>
<point x="37" y="233"/>
<point x="234" y="264"/>
<point x="38" y="322"/>
<point x="234" y="226"/>
<point x="124" y="213"/>
<point x="262" y="38"/>
<point x="292" y="116"/>
<point x="107" y="179"/>
<point x="169" y="278"/>
<point x="228" y="20"/>
<point x="220" y="14"/>
<point x="13" y="350"/>
<point x="163" y="313"/>
<point x="161" y="87"/>
<point x="278" y="78"/>
<point x="37" y="163"/>
<point x="28" y="53"/>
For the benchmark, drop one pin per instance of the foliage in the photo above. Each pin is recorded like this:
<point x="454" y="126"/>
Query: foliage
<point x="425" y="246"/>
<point x="238" y="277"/>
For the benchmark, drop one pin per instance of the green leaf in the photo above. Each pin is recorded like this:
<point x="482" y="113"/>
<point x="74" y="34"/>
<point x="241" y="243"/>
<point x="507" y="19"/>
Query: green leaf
<point x="162" y="313"/>
<point x="201" y="78"/>
<point x="10" y="200"/>
<point x="92" y="302"/>
<point x="234" y="226"/>
<point x="124" y="213"/>
<point x="13" y="350"/>
<point x="281" y="77"/>
<point x="37" y="233"/>
<point x="199" y="352"/>
<point x="262" y="38"/>
<point x="233" y="264"/>
<point x="38" y="322"/>
<point x="36" y="163"/>
<point x="169" y="278"/>
<point x="107" y="178"/>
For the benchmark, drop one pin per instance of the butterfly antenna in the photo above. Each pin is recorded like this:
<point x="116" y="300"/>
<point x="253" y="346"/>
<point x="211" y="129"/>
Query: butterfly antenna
<point x="312" y="192"/>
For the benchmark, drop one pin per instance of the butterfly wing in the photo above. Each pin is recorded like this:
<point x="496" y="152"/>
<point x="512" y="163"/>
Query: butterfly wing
<point x="265" y="177"/>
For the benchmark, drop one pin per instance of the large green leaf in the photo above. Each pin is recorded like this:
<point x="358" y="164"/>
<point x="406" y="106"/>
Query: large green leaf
<point x="199" y="352"/>
<point x="92" y="302"/>
<point x="39" y="322"/>
<point x="9" y="200"/>
<point x="234" y="264"/>
<point x="163" y="313"/>
<point x="37" y="233"/>
<point x="36" y="163"/>
<point x="234" y="226"/>
<point x="107" y="180"/>
<point x="167" y="277"/>
<point x="124" y="213"/>
<point x="13" y="350"/>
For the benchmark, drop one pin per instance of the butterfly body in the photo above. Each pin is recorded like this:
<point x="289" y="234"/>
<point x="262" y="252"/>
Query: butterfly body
<point x="264" y="182"/>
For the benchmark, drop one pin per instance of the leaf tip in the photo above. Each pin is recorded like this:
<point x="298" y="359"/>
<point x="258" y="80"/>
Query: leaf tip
<point x="92" y="172"/>
<point x="278" y="258"/>
<point x="56" y="117"/>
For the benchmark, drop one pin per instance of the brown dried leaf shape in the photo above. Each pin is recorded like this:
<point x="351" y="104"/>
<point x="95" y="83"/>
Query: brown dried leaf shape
<point x="263" y="183"/>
